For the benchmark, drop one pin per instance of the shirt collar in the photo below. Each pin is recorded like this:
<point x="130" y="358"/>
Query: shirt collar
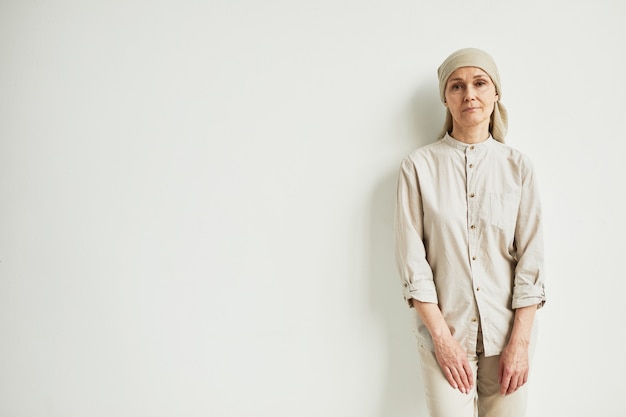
<point x="462" y="146"/>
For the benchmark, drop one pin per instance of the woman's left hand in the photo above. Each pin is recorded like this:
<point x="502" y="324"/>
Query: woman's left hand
<point x="514" y="367"/>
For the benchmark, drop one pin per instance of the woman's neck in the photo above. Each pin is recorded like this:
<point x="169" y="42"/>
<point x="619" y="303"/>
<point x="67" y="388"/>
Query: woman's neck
<point x="472" y="134"/>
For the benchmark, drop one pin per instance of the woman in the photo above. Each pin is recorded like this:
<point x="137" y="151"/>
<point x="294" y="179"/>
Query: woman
<point x="470" y="249"/>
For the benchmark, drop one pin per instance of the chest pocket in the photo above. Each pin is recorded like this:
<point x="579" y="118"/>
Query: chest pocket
<point x="503" y="208"/>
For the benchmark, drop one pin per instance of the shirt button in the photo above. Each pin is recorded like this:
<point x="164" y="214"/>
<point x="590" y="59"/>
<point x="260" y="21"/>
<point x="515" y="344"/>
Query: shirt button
<point x="474" y="320"/>
<point x="471" y="165"/>
<point x="473" y="227"/>
<point x="473" y="258"/>
<point x="477" y="288"/>
<point x="472" y="195"/>
<point x="472" y="148"/>
<point x="406" y="285"/>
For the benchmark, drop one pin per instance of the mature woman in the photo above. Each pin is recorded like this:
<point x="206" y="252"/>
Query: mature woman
<point x="470" y="249"/>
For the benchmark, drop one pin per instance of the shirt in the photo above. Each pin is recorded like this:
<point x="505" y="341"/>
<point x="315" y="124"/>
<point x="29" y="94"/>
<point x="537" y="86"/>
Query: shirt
<point x="468" y="229"/>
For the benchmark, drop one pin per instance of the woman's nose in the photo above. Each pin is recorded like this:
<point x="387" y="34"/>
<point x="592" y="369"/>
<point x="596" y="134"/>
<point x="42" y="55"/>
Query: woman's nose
<point x="469" y="94"/>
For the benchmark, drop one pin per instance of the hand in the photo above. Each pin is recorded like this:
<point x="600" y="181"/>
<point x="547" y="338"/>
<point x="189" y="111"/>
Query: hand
<point x="513" y="372"/>
<point x="452" y="359"/>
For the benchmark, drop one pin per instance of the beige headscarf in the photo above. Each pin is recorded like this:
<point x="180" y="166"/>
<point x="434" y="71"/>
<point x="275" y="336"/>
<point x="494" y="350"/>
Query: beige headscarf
<point x="472" y="57"/>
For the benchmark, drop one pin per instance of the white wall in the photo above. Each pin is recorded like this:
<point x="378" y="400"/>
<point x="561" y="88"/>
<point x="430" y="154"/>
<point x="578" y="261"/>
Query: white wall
<point x="196" y="200"/>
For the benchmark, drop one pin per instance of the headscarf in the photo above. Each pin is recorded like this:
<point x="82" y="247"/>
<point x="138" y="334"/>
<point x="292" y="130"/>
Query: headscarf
<point x="472" y="57"/>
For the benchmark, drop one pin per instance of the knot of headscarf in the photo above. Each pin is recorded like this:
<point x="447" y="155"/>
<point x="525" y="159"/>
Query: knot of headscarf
<point x="472" y="57"/>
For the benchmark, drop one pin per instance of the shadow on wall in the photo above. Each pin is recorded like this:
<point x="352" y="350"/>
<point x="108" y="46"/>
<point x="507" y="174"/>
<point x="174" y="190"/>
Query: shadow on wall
<point x="403" y="389"/>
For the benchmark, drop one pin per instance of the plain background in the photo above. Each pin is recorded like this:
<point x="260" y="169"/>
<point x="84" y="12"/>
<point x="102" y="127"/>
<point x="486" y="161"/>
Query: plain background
<point x="196" y="200"/>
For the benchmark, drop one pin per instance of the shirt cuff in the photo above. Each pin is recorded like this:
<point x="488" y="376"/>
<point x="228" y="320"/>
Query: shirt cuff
<point x="423" y="291"/>
<point x="528" y="295"/>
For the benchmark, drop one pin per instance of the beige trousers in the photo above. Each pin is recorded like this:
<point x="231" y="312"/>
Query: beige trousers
<point x="483" y="401"/>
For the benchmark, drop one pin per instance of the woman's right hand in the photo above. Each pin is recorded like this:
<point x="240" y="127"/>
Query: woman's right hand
<point x="452" y="359"/>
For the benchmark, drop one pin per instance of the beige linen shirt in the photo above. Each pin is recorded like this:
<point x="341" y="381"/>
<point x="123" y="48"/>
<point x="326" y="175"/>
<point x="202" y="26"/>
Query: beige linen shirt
<point x="468" y="238"/>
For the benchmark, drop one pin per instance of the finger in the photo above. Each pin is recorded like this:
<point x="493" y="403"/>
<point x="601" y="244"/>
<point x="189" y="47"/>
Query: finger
<point x="463" y="380"/>
<point x="458" y="380"/>
<point x="468" y="377"/>
<point x="448" y="373"/>
<point x="517" y="383"/>
<point x="505" y="384"/>
<point x="521" y="380"/>
<point x="465" y="374"/>
<point x="513" y="385"/>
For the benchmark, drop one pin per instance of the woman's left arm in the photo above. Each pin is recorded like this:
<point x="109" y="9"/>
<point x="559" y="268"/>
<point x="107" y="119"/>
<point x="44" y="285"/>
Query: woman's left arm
<point x="528" y="283"/>
<point x="528" y="288"/>
<point x="514" y="362"/>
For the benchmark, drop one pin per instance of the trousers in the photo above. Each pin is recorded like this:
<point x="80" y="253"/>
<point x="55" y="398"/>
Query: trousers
<point x="484" y="400"/>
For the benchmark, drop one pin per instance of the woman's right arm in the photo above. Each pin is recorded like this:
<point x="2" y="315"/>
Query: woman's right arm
<point x="417" y="277"/>
<point x="415" y="271"/>
<point x="451" y="357"/>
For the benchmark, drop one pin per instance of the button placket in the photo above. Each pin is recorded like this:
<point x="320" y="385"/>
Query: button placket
<point x="474" y="155"/>
<point x="472" y="210"/>
<point x="471" y="161"/>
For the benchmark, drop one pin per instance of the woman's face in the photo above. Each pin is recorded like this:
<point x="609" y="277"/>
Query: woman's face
<point x="470" y="96"/>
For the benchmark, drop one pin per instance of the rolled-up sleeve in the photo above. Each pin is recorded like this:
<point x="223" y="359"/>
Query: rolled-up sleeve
<point x="415" y="272"/>
<point x="529" y="283"/>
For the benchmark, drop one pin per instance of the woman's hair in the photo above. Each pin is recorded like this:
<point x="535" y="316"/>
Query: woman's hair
<point x="472" y="57"/>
